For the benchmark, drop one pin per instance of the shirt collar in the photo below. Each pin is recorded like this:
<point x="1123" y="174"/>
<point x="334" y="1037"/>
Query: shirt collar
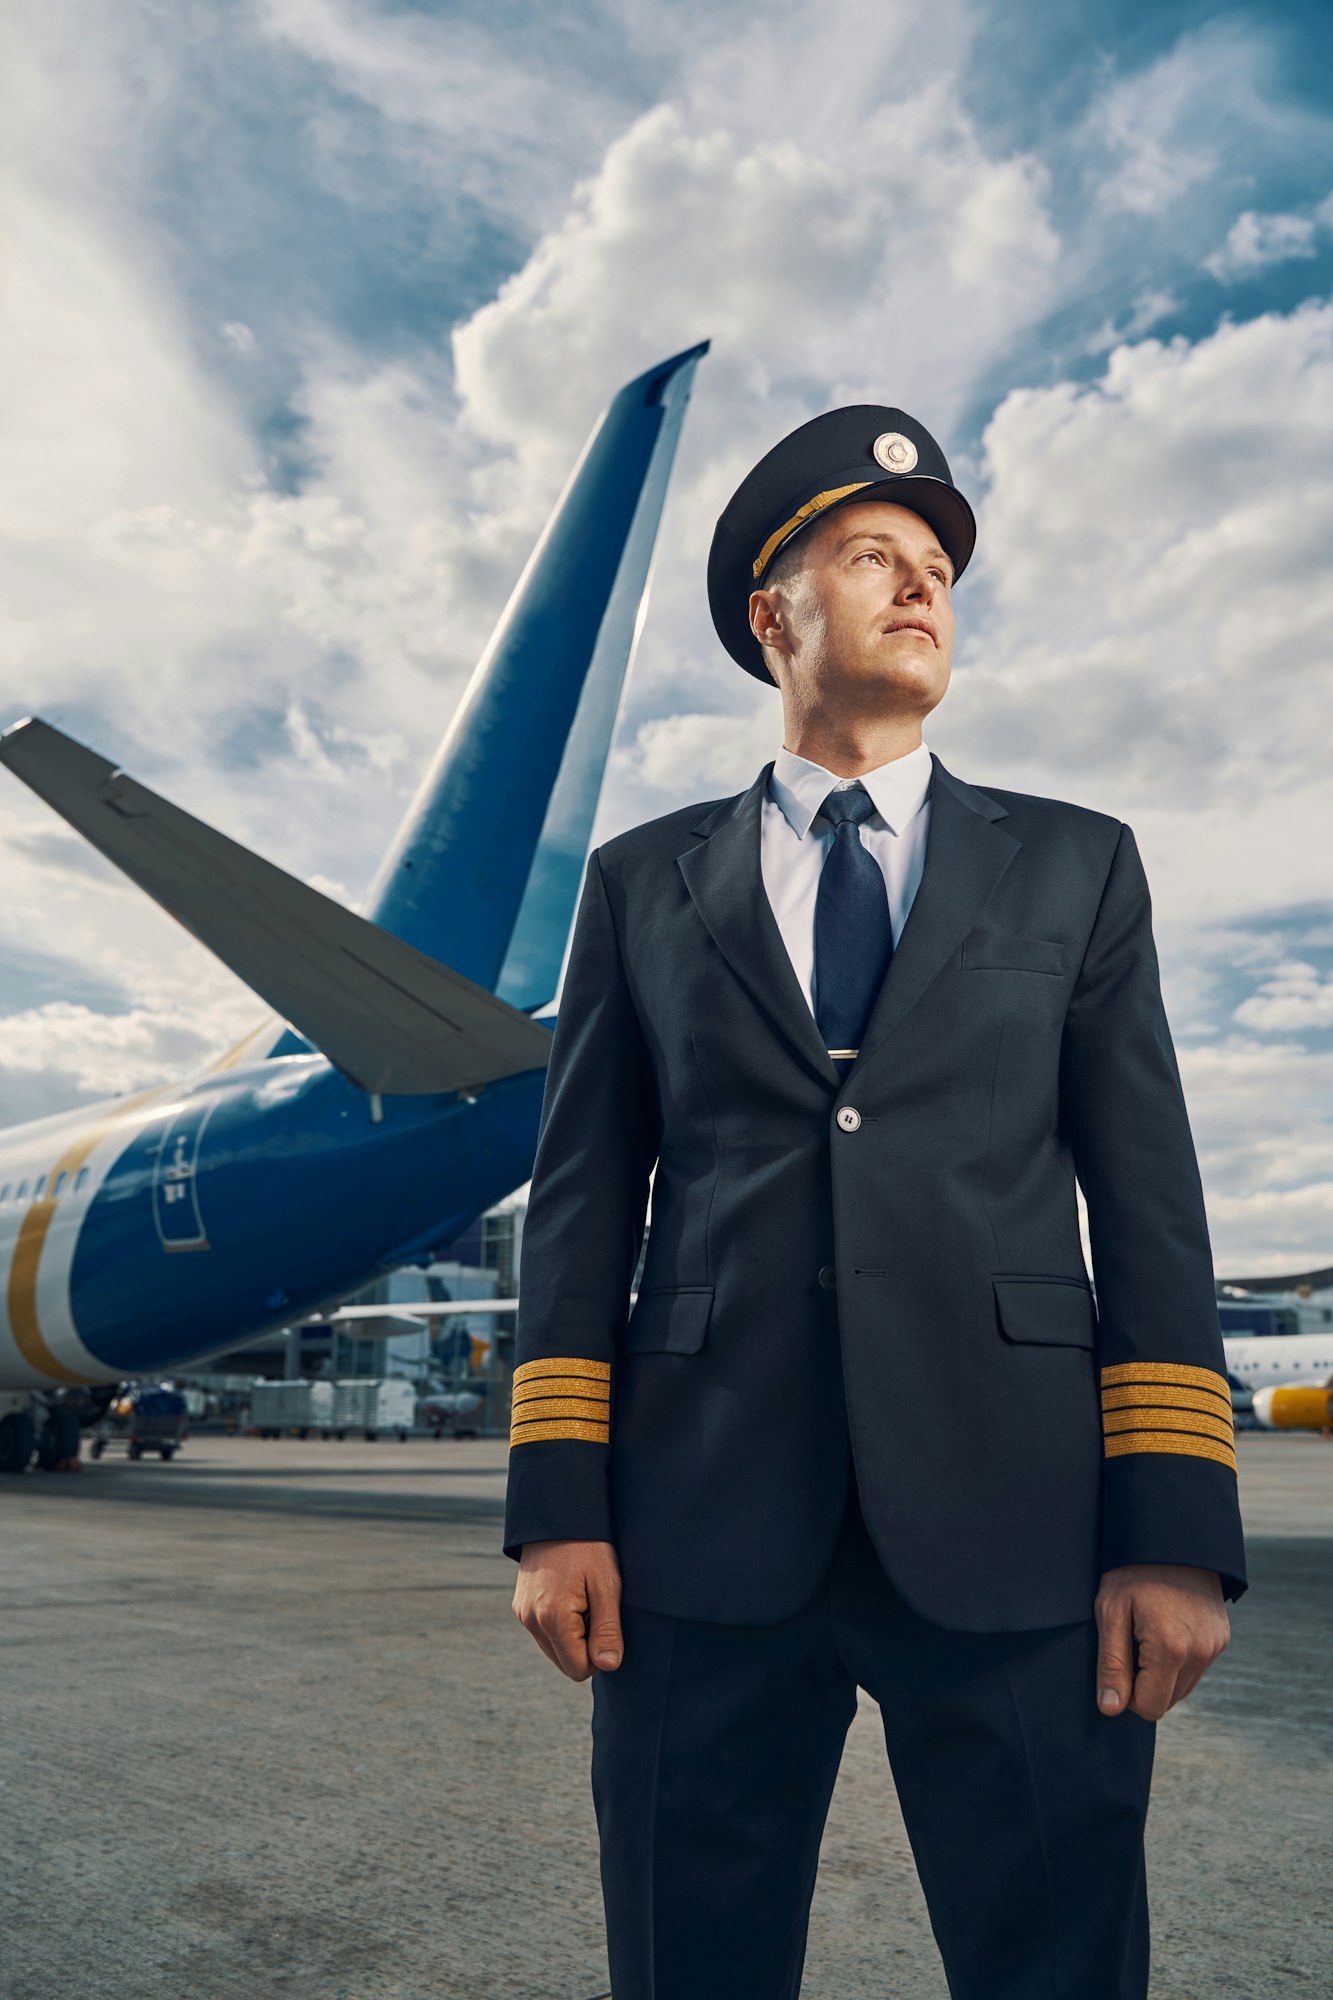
<point x="897" y="788"/>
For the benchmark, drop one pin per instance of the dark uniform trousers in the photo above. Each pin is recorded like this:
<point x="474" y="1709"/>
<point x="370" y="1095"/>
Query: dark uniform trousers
<point x="715" y="1749"/>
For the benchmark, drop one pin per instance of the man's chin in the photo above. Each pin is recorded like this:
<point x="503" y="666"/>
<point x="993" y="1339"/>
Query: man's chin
<point x="914" y="679"/>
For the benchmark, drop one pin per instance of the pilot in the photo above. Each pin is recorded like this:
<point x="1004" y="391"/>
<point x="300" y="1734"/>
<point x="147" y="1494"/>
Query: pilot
<point x="868" y="1424"/>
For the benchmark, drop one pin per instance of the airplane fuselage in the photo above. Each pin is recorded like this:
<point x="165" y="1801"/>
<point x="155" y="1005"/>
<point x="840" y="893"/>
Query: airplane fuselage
<point x="157" y="1229"/>
<point x="1273" y="1360"/>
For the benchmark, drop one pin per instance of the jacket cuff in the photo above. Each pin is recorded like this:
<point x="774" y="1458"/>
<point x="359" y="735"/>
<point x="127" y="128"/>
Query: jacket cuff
<point x="1166" y="1508"/>
<point x="558" y="1491"/>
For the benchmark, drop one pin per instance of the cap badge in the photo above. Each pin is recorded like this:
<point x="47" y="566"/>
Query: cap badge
<point x="894" y="452"/>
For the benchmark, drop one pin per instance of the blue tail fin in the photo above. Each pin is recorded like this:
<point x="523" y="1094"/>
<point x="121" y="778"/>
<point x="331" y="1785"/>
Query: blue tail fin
<point x="485" y="871"/>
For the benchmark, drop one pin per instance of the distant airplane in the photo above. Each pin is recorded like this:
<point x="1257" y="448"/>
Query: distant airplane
<point x="1289" y="1376"/>
<point x="394" y="1092"/>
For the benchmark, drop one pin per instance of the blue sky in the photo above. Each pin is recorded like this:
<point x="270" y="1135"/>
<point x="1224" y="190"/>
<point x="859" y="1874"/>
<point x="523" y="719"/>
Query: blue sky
<point x="310" y="305"/>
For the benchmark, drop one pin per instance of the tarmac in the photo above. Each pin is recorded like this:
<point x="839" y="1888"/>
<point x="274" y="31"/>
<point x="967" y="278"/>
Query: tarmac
<point x="272" y="1729"/>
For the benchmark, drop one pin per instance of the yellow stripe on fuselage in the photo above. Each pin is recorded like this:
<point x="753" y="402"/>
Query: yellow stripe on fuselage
<point x="25" y="1263"/>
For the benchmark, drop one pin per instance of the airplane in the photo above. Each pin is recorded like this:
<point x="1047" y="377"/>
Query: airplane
<point x="1288" y="1376"/>
<point x="393" y="1092"/>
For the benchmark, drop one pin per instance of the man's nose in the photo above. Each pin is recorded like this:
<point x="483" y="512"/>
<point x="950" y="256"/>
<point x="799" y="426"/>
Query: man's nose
<point x="917" y="583"/>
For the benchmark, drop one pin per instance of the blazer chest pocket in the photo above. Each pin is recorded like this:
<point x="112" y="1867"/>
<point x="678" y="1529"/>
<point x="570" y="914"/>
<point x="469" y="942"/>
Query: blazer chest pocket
<point x="669" y="1322"/>
<point x="993" y="951"/>
<point x="1048" y="1312"/>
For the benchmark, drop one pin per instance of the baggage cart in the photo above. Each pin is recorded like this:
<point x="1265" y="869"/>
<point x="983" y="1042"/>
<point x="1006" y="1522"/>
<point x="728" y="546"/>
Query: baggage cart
<point x="142" y="1418"/>
<point x="370" y="1404"/>
<point x="279" y="1407"/>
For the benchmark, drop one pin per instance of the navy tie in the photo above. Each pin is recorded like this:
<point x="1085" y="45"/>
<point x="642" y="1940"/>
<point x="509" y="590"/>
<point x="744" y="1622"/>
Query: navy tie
<point x="853" y="933"/>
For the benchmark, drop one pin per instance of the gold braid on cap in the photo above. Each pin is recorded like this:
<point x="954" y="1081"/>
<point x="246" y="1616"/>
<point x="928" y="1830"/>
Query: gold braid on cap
<point x="815" y="506"/>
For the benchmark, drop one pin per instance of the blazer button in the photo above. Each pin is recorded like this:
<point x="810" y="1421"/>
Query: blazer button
<point x="828" y="1277"/>
<point x="848" y="1117"/>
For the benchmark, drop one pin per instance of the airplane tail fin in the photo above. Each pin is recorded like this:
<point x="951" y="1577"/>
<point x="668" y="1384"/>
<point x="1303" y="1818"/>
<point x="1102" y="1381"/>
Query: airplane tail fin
<point x="467" y="925"/>
<point x="484" y="873"/>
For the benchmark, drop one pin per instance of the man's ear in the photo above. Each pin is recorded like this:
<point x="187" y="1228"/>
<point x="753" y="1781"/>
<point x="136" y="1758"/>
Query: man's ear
<point x="766" y="619"/>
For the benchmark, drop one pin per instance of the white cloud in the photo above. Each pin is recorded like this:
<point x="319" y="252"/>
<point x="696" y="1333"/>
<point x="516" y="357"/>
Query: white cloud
<point x="1255" y="241"/>
<point x="896" y="250"/>
<point x="1146" y="311"/>
<point x="1213" y="104"/>
<point x="1295" y="997"/>
<point x="1153" y="544"/>
<point x="107" y="1054"/>
<point x="1275" y="1233"/>
<point x="1262" y="1115"/>
<point x="715" y="757"/>
<point x="502" y="127"/>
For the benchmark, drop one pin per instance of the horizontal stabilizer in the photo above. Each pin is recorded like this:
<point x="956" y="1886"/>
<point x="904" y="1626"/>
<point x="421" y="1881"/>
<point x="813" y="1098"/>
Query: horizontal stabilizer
<point x="391" y="1019"/>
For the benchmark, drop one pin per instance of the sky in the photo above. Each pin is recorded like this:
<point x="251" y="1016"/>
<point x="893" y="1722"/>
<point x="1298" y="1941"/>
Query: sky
<point x="307" y="306"/>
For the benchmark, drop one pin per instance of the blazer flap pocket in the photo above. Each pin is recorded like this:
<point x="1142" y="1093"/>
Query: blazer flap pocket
<point x="669" y="1322"/>
<point x="1056" y="1312"/>
<point x="1016" y="954"/>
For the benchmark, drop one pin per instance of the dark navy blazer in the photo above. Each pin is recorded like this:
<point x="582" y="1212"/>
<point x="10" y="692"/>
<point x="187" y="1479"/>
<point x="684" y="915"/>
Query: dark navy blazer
<point x="884" y="1269"/>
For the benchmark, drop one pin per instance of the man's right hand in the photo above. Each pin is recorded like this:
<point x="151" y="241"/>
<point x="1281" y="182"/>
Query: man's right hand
<point x="568" y="1597"/>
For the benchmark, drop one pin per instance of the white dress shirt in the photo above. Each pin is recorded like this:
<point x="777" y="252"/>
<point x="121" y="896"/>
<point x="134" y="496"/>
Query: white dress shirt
<point x="795" y="838"/>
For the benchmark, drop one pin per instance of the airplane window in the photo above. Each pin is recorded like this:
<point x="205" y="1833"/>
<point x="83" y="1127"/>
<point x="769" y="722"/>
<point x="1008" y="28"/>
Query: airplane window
<point x="80" y="1179"/>
<point x="4" y="1192"/>
<point x="59" y="1187"/>
<point x="21" y="1191"/>
<point x="39" y="1187"/>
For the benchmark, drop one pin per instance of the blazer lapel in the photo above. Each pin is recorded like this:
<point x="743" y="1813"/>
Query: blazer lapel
<point x="966" y="854"/>
<point x="725" y="878"/>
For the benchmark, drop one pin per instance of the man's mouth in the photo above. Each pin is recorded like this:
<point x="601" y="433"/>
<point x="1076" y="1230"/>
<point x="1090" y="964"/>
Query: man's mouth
<point x="911" y="625"/>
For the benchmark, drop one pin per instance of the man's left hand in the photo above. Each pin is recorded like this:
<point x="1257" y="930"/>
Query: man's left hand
<point x="1179" y="1619"/>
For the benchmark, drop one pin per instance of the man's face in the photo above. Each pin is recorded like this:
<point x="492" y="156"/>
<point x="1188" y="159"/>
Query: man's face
<point x="848" y="624"/>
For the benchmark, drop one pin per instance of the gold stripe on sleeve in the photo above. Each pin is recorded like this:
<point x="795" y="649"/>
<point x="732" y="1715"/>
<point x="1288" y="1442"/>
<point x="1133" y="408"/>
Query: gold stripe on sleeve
<point x="1171" y="1442"/>
<point x="1166" y="1371"/>
<point x="565" y="1364"/>
<point x="1134" y="1393"/>
<point x="564" y="1385"/>
<point x="532" y="1402"/>
<point x="1161" y="1417"/>
<point x="560" y="1427"/>
<point x="533" y="1408"/>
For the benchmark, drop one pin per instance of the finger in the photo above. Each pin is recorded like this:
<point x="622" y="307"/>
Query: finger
<point x="1185" y="1685"/>
<point x="1155" y="1684"/>
<point x="1115" y="1655"/>
<point x="568" y="1635"/>
<point x="526" y="1613"/>
<point x="536" y="1633"/>
<point x="540" y="1618"/>
<point x="1190" y="1675"/>
<point x="1153" y="1695"/>
<point x="605" y="1640"/>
